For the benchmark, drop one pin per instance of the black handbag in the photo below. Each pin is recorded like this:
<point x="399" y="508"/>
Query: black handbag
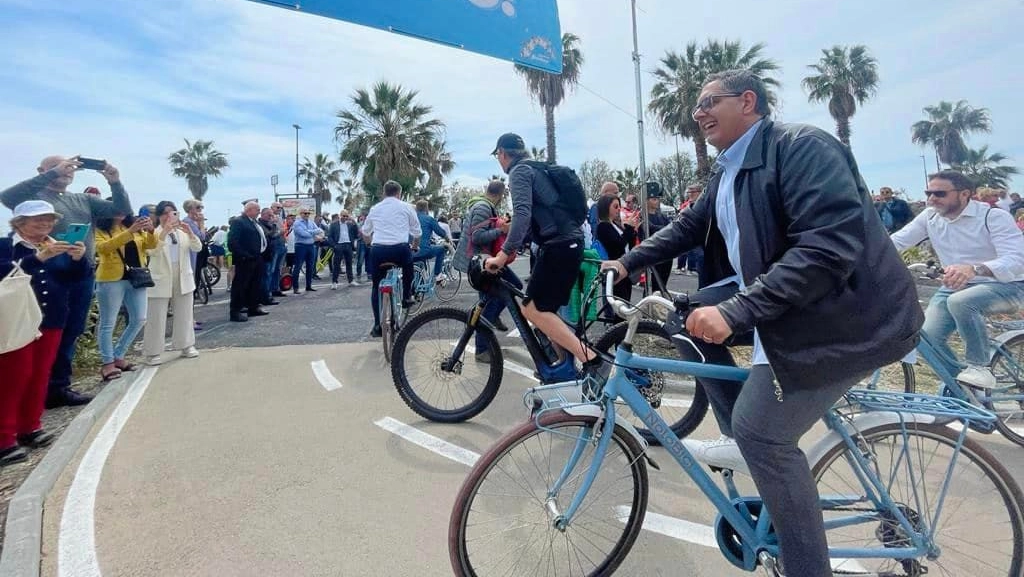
<point x="139" y="277"/>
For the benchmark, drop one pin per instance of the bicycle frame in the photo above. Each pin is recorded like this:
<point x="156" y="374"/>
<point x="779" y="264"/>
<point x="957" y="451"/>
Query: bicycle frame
<point x="391" y="288"/>
<point x="561" y="369"/>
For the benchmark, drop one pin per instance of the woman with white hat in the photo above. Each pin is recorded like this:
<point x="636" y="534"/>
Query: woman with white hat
<point x="53" y="265"/>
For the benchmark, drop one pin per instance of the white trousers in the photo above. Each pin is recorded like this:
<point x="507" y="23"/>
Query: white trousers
<point x="183" y="330"/>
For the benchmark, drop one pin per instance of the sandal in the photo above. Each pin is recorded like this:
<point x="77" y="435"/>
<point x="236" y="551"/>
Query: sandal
<point x="110" y="372"/>
<point x="124" y="366"/>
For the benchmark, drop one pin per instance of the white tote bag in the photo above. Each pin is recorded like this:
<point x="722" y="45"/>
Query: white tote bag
<point x="20" y="315"/>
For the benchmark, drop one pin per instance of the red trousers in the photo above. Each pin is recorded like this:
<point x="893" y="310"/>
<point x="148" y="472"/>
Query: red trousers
<point x="24" y="376"/>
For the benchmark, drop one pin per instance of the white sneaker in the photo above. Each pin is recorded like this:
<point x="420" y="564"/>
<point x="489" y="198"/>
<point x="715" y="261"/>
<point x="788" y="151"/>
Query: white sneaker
<point x="189" y="353"/>
<point x="154" y="360"/>
<point x="977" y="377"/>
<point x="354" y="283"/>
<point x="334" y="286"/>
<point x="722" y="452"/>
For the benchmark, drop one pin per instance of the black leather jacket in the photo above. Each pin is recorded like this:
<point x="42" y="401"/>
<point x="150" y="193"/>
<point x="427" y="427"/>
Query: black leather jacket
<point x="826" y="289"/>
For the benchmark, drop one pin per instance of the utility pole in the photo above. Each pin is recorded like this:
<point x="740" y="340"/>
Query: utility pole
<point x="297" y="129"/>
<point x="273" y="182"/>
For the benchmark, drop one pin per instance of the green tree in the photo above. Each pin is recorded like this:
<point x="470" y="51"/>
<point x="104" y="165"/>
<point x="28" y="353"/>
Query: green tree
<point x="593" y="173"/>
<point x="384" y="135"/>
<point x="195" y="163"/>
<point x="549" y="89"/>
<point x="844" y="77"/>
<point x="438" y="163"/>
<point x="538" y="153"/>
<point x="680" y="78"/>
<point x="945" y="128"/>
<point x="320" y="176"/>
<point x="674" y="173"/>
<point x="629" y="181"/>
<point x="987" y="169"/>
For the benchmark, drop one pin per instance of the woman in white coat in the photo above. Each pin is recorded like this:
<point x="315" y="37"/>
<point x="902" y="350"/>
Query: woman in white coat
<point x="171" y="268"/>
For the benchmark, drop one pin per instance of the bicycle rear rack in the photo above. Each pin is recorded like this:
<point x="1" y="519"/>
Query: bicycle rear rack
<point x="918" y="403"/>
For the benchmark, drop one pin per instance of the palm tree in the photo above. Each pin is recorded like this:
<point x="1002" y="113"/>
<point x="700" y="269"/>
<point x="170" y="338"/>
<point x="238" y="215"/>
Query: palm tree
<point x="384" y="135"/>
<point x="320" y="176"/>
<point x="346" y="190"/>
<point x="549" y="89"/>
<point x="945" y="128"/>
<point x="629" y="180"/>
<point x="846" y="77"/>
<point x="680" y="78"/>
<point x="438" y="163"/>
<point x="195" y="163"/>
<point x="987" y="169"/>
<point x="538" y="153"/>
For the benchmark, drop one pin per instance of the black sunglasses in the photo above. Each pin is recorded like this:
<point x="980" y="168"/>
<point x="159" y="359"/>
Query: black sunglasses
<point x="938" y="193"/>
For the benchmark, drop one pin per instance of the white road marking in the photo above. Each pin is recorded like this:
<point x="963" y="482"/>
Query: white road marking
<point x="676" y="403"/>
<point x="520" y="370"/>
<point x="324" y="375"/>
<point x="513" y="334"/>
<point x="76" y="550"/>
<point x="695" y="533"/>
<point x="428" y="441"/>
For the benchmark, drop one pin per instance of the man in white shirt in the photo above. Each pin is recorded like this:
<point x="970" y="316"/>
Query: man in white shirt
<point x="982" y="252"/>
<point x="387" y="229"/>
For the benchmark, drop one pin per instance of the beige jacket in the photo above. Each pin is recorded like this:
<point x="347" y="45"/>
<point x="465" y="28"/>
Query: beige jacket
<point x="160" y="264"/>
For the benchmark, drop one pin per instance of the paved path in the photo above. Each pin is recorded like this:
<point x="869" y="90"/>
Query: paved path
<point x="300" y="459"/>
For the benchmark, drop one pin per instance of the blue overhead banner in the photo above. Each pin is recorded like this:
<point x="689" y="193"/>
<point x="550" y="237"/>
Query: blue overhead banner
<point x="524" y="31"/>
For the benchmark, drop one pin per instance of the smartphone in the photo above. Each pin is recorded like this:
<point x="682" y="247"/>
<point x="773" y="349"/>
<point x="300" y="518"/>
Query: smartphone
<point x="74" y="233"/>
<point x="92" y="163"/>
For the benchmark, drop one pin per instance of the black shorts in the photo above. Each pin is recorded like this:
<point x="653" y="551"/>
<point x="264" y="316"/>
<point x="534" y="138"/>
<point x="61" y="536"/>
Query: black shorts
<point x="554" y="273"/>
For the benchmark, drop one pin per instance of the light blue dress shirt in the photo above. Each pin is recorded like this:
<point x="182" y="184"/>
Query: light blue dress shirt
<point x="730" y="161"/>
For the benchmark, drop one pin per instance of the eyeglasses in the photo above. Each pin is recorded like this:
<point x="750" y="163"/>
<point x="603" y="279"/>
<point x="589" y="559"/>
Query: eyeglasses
<point x="709" y="102"/>
<point x="938" y="193"/>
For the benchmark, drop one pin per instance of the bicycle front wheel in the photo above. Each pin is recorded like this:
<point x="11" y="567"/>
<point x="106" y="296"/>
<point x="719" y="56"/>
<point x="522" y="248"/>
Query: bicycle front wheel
<point x="448" y="287"/>
<point x="387" y="324"/>
<point x="979" y="528"/>
<point x="503" y="522"/>
<point x="682" y="403"/>
<point x="431" y="381"/>
<point x="1006" y="400"/>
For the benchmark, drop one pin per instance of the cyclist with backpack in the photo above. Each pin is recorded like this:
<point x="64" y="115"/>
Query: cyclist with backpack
<point x="547" y="201"/>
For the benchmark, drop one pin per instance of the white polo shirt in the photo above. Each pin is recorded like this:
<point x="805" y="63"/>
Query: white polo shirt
<point x="980" y="235"/>
<point x="391" y="222"/>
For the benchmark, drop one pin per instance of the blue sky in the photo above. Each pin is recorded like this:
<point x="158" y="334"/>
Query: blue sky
<point x="128" y="81"/>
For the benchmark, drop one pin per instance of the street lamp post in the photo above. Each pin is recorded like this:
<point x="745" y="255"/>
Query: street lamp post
<point x="297" y="129"/>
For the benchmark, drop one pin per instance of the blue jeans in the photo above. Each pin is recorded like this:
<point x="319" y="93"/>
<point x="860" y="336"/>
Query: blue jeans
<point x="362" y="255"/>
<point x="428" y="252"/>
<point x="305" y="254"/>
<point x="494" y="306"/>
<point x="272" y="280"/>
<point x="79" y="301"/>
<point x="964" y="311"/>
<point x="111" y="295"/>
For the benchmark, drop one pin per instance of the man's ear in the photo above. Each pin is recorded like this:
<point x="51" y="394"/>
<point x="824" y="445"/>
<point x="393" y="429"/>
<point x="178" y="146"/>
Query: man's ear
<point x="749" y="102"/>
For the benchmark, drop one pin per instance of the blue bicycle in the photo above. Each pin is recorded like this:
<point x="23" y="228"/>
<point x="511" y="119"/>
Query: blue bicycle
<point x="903" y="494"/>
<point x="425" y="286"/>
<point x="392" y="315"/>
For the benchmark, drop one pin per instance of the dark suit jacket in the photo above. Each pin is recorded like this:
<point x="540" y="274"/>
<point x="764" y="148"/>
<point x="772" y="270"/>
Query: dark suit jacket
<point x="244" y="239"/>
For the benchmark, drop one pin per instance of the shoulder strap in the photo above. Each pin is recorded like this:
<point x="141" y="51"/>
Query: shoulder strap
<point x="987" y="229"/>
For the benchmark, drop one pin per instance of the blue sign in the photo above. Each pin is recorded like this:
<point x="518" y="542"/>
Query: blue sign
<point x="524" y="31"/>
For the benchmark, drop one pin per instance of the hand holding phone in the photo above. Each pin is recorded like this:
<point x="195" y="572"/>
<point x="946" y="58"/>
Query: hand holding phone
<point x="92" y="163"/>
<point x="76" y="232"/>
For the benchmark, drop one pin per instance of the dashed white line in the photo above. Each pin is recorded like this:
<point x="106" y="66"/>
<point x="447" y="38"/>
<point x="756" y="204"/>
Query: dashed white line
<point x="676" y="528"/>
<point x="76" y="549"/>
<point x="324" y="375"/>
<point x="520" y="370"/>
<point x="428" y="441"/>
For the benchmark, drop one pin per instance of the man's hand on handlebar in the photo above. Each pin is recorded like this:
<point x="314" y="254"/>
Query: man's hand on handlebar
<point x="957" y="275"/>
<point x="496" y="262"/>
<point x="708" y="324"/>
<point x="620" y="271"/>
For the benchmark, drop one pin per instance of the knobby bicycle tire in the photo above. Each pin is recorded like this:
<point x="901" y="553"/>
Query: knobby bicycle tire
<point x="1010" y="413"/>
<point x="417" y="357"/>
<point x="621" y="512"/>
<point x="682" y="412"/>
<point x="973" y="461"/>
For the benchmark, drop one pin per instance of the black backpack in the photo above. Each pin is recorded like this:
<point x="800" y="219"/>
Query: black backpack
<point x="572" y="200"/>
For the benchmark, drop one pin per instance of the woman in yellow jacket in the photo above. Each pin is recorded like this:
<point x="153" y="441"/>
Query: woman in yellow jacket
<point x="121" y="243"/>
<point x="171" y="268"/>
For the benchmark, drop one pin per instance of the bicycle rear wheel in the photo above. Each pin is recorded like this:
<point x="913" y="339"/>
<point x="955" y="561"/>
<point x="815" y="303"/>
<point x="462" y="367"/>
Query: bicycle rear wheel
<point x="502" y="522"/>
<point x="449" y="394"/>
<point x="979" y="531"/>
<point x="683" y="403"/>
<point x="897" y="377"/>
<point x="387" y="324"/>
<point x="1007" y="399"/>
<point x="212" y="275"/>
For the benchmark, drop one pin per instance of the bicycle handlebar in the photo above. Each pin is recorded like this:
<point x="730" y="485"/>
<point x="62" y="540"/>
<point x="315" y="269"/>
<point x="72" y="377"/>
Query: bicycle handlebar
<point x="627" y="310"/>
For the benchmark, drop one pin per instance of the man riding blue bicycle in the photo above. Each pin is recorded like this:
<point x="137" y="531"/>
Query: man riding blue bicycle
<point x="788" y="227"/>
<point x="982" y="253"/>
<point x="388" y="228"/>
<point x="428" y="250"/>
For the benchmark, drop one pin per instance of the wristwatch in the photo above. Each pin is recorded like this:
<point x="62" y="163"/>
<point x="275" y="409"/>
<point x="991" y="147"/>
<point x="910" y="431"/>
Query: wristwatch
<point x="979" y="270"/>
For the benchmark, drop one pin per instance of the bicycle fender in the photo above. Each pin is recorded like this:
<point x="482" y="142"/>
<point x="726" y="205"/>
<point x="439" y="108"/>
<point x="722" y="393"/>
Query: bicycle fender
<point x="596" y="411"/>
<point x="1003" y="338"/>
<point x="861" y="422"/>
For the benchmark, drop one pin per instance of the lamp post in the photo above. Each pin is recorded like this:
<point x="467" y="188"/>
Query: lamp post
<point x="297" y="129"/>
<point x="924" y="163"/>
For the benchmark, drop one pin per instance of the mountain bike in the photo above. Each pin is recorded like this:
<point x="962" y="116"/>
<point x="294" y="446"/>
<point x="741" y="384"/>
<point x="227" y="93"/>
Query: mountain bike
<point x="436" y="375"/>
<point x="902" y="495"/>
